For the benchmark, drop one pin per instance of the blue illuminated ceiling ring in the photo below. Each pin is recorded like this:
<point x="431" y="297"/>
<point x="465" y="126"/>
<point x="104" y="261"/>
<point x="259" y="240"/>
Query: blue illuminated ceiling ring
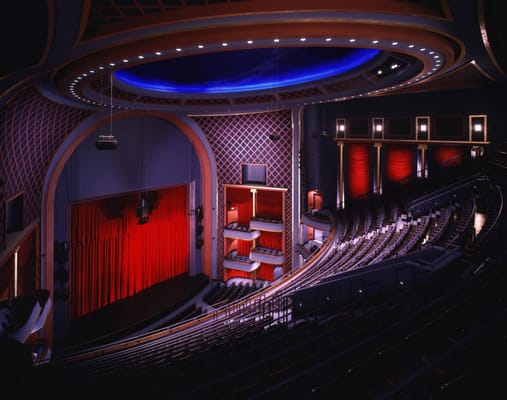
<point x="248" y="70"/>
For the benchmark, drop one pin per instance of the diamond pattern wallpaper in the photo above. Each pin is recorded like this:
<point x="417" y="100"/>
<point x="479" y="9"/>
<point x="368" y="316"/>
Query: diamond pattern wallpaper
<point x="31" y="130"/>
<point x="244" y="138"/>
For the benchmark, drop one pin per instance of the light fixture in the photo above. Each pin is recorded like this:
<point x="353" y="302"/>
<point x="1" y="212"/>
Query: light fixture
<point x="477" y="127"/>
<point x="108" y="142"/>
<point x="340" y="127"/>
<point x="143" y="209"/>
<point x="377" y="128"/>
<point x="422" y="128"/>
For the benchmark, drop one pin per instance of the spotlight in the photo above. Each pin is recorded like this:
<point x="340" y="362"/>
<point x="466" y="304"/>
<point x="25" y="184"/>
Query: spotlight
<point x="142" y="220"/>
<point x="106" y="142"/>
<point x="143" y="211"/>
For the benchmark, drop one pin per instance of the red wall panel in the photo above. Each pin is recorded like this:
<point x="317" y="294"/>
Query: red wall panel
<point x="358" y="169"/>
<point x="399" y="163"/>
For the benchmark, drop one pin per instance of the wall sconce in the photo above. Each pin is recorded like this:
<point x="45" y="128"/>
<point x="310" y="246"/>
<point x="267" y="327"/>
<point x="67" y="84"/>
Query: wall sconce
<point x="422" y="128"/>
<point x="377" y="128"/>
<point x="340" y="128"/>
<point x="477" y="128"/>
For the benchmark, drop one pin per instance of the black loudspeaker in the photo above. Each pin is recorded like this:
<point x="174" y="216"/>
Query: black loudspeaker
<point x="199" y="228"/>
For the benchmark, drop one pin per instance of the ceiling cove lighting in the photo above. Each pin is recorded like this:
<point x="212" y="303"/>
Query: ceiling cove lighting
<point x="435" y="60"/>
<point x="241" y="70"/>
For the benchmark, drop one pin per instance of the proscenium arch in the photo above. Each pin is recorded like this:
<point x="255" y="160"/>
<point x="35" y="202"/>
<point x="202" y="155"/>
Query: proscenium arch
<point x="90" y="126"/>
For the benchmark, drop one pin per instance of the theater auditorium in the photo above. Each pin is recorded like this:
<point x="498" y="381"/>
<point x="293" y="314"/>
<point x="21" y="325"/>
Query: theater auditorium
<point x="243" y="199"/>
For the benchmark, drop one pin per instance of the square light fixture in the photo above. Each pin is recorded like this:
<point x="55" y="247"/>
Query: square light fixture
<point x="377" y="128"/>
<point x="340" y="128"/>
<point x="422" y="128"/>
<point x="477" y="128"/>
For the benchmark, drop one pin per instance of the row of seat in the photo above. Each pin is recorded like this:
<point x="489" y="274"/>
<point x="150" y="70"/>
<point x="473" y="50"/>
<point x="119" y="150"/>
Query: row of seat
<point x="251" y="347"/>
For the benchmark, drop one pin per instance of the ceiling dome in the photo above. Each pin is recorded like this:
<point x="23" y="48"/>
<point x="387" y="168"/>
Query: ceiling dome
<point x="247" y="70"/>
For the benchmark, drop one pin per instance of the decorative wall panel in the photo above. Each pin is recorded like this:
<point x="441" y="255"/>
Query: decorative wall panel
<point x="244" y="138"/>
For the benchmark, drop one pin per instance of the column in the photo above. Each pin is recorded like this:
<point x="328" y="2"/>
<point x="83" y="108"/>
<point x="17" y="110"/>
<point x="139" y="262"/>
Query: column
<point x="254" y="208"/>
<point x="254" y="201"/>
<point x="340" y="189"/>
<point x="377" y="180"/>
<point x="422" y="167"/>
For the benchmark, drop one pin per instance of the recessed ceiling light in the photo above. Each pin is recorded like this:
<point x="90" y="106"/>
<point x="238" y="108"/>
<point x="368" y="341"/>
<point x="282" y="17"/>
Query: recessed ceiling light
<point x="158" y="53"/>
<point x="141" y="57"/>
<point x="328" y="39"/>
<point x="125" y="61"/>
<point x="352" y="40"/>
<point x="178" y="49"/>
<point x="302" y="39"/>
<point x="395" y="43"/>
<point x="276" y="40"/>
<point x="224" y="44"/>
<point x="201" y="46"/>
<point x="375" y="41"/>
<point x="111" y="64"/>
<point x="423" y="49"/>
<point x="249" y="41"/>
<point x="411" y="46"/>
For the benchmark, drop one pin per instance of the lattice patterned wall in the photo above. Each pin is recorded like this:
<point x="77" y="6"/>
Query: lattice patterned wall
<point x="31" y="130"/>
<point x="237" y="139"/>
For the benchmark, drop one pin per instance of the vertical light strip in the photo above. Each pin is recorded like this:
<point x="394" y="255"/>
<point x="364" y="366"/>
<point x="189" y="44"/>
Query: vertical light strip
<point x="254" y="201"/>
<point x="340" y="190"/>
<point x="16" y="273"/>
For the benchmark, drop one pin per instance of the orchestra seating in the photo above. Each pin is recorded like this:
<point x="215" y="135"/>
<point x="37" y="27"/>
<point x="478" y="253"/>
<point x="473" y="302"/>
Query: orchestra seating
<point x="418" y="341"/>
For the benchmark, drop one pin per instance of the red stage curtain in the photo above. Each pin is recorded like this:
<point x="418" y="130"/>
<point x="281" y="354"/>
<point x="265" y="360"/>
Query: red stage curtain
<point x="270" y="204"/>
<point x="358" y="168"/>
<point x="113" y="257"/>
<point x="399" y="163"/>
<point x="448" y="156"/>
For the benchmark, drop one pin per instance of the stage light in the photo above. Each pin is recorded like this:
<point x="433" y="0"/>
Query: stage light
<point x="107" y="142"/>
<point x="143" y="211"/>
